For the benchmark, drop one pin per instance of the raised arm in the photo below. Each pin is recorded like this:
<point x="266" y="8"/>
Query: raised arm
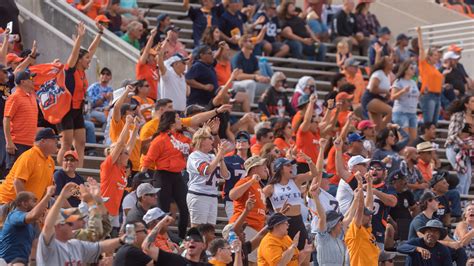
<point x="95" y="43"/>
<point x="120" y="101"/>
<point x="359" y="214"/>
<point x="422" y="52"/>
<point x="200" y="118"/>
<point x="52" y="216"/>
<point x="341" y="170"/>
<point x="239" y="191"/>
<point x="133" y="138"/>
<point x="72" y="60"/>
<point x="308" y="115"/>
<point x="120" y="145"/>
<point x="369" y="198"/>
<point x="146" y="49"/>
<point x="186" y="5"/>
<point x="147" y="246"/>
<point x="28" y="61"/>
<point x="4" y="49"/>
<point x="33" y="215"/>
<point x="315" y="190"/>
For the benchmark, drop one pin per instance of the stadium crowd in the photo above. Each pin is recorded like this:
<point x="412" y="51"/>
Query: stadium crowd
<point x="354" y="178"/>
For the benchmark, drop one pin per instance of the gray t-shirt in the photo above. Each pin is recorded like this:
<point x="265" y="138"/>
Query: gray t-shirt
<point x="331" y="251"/>
<point x="402" y="55"/>
<point x="408" y="101"/>
<point x="72" y="252"/>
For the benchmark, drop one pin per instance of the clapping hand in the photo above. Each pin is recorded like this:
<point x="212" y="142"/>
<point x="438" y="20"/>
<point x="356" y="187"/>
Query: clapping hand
<point x="69" y="189"/>
<point x="250" y="203"/>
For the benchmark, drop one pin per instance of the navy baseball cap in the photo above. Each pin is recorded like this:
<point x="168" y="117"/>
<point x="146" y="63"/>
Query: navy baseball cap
<point x="353" y="137"/>
<point x="46" y="133"/>
<point x="276" y="219"/>
<point x="242" y="135"/>
<point x="24" y="75"/>
<point x="280" y="162"/>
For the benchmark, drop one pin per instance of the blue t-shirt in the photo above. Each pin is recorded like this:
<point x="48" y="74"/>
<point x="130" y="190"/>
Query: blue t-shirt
<point x="248" y="66"/>
<point x="440" y="254"/>
<point x="16" y="237"/>
<point x="204" y="74"/>
<point x="61" y="179"/>
<point x="418" y="222"/>
<point x="381" y="214"/>
<point x="228" y="22"/>
<point x="235" y="165"/>
<point x="443" y="208"/>
<point x="200" y="20"/>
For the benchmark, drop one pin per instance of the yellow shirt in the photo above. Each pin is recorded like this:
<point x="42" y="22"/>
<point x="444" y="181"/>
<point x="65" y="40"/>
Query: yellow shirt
<point x="217" y="262"/>
<point x="363" y="250"/>
<point x="271" y="250"/>
<point x="32" y="167"/>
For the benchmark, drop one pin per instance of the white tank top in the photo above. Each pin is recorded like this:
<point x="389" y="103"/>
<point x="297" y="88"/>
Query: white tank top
<point x="289" y="191"/>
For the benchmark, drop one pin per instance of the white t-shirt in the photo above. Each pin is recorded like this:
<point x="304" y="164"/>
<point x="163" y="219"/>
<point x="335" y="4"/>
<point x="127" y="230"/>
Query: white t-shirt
<point x="384" y="81"/>
<point x="328" y="202"/>
<point x="128" y="202"/>
<point x="344" y="196"/>
<point x="198" y="162"/>
<point x="173" y="87"/>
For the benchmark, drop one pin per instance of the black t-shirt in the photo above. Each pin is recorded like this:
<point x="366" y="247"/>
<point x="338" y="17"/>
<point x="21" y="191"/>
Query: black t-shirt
<point x="297" y="25"/>
<point x="345" y="25"/>
<point x="4" y="93"/>
<point x="405" y="200"/>
<point x="381" y="214"/>
<point x="224" y="121"/>
<point x="115" y="22"/>
<point x="273" y="27"/>
<point x="130" y="255"/>
<point x="443" y="208"/>
<point x="170" y="259"/>
<point x="61" y="179"/>
<point x="456" y="78"/>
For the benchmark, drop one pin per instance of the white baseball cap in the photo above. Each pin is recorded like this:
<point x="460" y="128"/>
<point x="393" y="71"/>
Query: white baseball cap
<point x="355" y="160"/>
<point x="153" y="214"/>
<point x="450" y="55"/>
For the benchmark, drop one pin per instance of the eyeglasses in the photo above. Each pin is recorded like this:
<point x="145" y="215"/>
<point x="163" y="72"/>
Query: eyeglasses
<point x="69" y="224"/>
<point x="376" y="168"/>
<point x="69" y="160"/>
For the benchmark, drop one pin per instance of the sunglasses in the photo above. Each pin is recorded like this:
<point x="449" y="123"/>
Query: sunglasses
<point x="241" y="140"/>
<point x="189" y="238"/>
<point x="376" y="168"/>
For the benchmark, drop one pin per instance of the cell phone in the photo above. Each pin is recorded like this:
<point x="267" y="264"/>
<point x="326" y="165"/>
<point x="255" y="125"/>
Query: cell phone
<point x="10" y="26"/>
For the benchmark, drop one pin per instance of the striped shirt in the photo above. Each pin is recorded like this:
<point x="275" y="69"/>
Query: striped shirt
<point x="22" y="109"/>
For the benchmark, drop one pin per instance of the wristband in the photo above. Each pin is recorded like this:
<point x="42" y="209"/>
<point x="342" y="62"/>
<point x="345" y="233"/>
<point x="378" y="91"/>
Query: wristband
<point x="101" y="32"/>
<point x="32" y="57"/>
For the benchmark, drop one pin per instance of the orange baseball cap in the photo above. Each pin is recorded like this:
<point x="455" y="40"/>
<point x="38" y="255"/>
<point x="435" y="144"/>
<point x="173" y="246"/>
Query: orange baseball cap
<point x="13" y="58"/>
<point x="102" y="18"/>
<point x="71" y="153"/>
<point x="343" y="96"/>
<point x="455" y="48"/>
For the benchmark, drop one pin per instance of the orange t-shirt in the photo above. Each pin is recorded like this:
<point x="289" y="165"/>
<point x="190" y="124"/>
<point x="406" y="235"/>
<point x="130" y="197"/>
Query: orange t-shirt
<point x="425" y="169"/>
<point x="331" y="165"/>
<point x="22" y="109"/>
<point x="112" y="184"/>
<point x="150" y="74"/>
<point x="296" y="118"/>
<point x="32" y="167"/>
<point x="223" y="71"/>
<point x="114" y="133"/>
<point x="168" y="151"/>
<point x="256" y="217"/>
<point x="341" y="118"/>
<point x="94" y="10"/>
<point x="282" y="145"/>
<point x="431" y="78"/>
<point x="307" y="142"/>
<point x="360" y="84"/>
<point x="145" y="106"/>
<point x="256" y="149"/>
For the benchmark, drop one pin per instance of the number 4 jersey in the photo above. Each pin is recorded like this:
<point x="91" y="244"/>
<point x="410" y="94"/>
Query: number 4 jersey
<point x="199" y="182"/>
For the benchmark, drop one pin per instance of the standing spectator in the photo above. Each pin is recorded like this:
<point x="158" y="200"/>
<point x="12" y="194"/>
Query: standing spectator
<point x="264" y="136"/>
<point x="57" y="233"/>
<point x="375" y="98"/>
<point x="99" y="95"/>
<point x="146" y="67"/>
<point x="271" y="44"/>
<point x="140" y="99"/>
<point x="33" y="171"/>
<point x="345" y="27"/>
<point x="72" y="125"/>
<point x="18" y="232"/>
<point x="133" y="34"/>
<point x="354" y="76"/>
<point x="112" y="170"/>
<point x="283" y="135"/>
<point x="381" y="44"/>
<point x="274" y="101"/>
<point x="366" y="22"/>
<point x="427" y="133"/>
<point x="4" y="94"/>
<point x="299" y="37"/>
<point x="205" y="170"/>
<point x="456" y="76"/>
<point x="389" y="145"/>
<point x="405" y="95"/>
<point x="162" y="22"/>
<point x="250" y="79"/>
<point x="68" y="174"/>
<point x="131" y="253"/>
<point x="20" y="118"/>
<point x="367" y="130"/>
<point x="431" y="81"/>
<point x="306" y="85"/>
<point x="402" y="52"/>
<point x="172" y="80"/>
<point x="147" y="198"/>
<point x="169" y="150"/>
<point x="461" y="116"/>
<point x="231" y="23"/>
<point x="250" y="187"/>
<point x="202" y="78"/>
<point x="427" y="250"/>
<point x="223" y="63"/>
<point x="171" y="45"/>
<point x="203" y="17"/>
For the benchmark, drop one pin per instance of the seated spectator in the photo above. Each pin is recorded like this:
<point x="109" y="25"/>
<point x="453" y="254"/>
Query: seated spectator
<point x="202" y="78"/>
<point x="277" y="240"/>
<point x="298" y="36"/>
<point x="146" y="67"/>
<point x="133" y="34"/>
<point x="427" y="133"/>
<point x="271" y="44"/>
<point x="402" y="52"/>
<point x="342" y="54"/>
<point x="345" y="28"/>
<point x="162" y="241"/>
<point x="33" y="170"/>
<point x="18" y="230"/>
<point x="458" y="51"/>
<point x="380" y="44"/>
<point x="171" y="45"/>
<point x="449" y="200"/>
<point x="389" y="145"/>
<point x="366" y="22"/>
<point x="231" y="24"/>
<point x="57" y="231"/>
<point x="115" y="19"/>
<point x="68" y="174"/>
<point x="250" y="79"/>
<point x="306" y="86"/>
<point x="264" y="136"/>
<point x="354" y="76"/>
<point x="172" y="80"/>
<point x="427" y="249"/>
<point x="203" y="17"/>
<point x="415" y="181"/>
<point x="131" y="253"/>
<point x="212" y="38"/>
<point x="274" y="101"/>
<point x="317" y="18"/>
<point x="92" y="8"/>
<point x="100" y="95"/>
<point x="140" y="99"/>
<point x="463" y="228"/>
<point x="147" y="198"/>
<point x="221" y="252"/>
<point x="425" y="152"/>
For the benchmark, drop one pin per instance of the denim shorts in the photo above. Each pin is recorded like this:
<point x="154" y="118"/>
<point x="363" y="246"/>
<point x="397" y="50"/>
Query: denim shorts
<point x="405" y="120"/>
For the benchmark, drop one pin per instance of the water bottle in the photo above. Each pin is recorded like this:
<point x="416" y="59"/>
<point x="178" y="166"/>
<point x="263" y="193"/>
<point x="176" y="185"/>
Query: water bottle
<point x="389" y="162"/>
<point x="231" y="239"/>
<point x="130" y="234"/>
<point x="281" y="108"/>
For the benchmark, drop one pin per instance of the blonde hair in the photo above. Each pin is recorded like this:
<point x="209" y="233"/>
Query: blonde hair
<point x="200" y="135"/>
<point x="342" y="45"/>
